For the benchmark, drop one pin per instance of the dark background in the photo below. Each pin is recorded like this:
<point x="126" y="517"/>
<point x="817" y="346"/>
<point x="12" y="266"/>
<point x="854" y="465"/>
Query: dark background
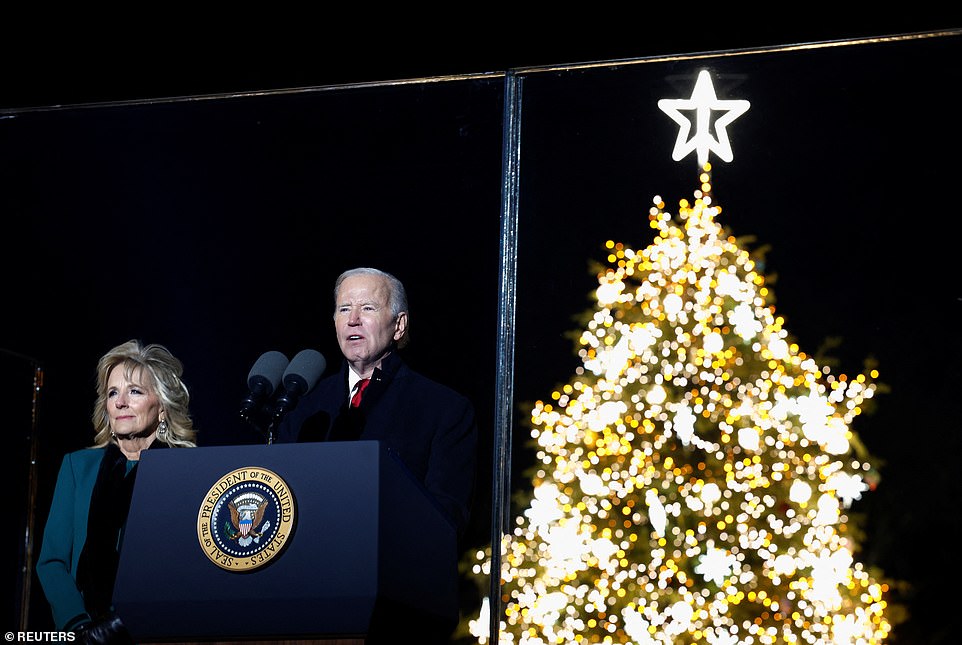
<point x="854" y="221"/>
<point x="90" y="58"/>
<point x="217" y="227"/>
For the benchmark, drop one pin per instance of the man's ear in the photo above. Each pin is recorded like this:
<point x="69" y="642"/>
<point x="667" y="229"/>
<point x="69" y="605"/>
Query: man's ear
<point x="400" y="325"/>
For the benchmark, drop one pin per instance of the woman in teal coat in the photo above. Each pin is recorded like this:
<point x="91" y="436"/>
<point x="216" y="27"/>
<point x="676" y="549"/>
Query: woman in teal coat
<point x="142" y="403"/>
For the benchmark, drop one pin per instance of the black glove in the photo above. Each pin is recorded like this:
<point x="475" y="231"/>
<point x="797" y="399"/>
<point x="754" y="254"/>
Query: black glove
<point x="108" y="631"/>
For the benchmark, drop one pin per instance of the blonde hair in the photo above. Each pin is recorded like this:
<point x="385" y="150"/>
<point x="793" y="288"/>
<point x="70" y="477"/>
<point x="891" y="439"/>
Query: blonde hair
<point x="162" y="372"/>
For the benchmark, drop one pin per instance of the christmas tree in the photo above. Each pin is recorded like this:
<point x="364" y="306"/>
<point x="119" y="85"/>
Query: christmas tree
<point x="694" y="478"/>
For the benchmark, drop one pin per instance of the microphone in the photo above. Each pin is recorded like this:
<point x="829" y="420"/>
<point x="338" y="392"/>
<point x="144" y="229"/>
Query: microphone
<point x="263" y="380"/>
<point x="300" y="377"/>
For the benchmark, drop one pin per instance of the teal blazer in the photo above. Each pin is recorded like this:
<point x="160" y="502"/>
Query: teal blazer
<point x="65" y="534"/>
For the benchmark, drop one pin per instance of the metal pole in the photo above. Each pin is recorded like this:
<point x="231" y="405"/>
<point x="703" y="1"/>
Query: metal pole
<point x="501" y="480"/>
<point x="25" y="573"/>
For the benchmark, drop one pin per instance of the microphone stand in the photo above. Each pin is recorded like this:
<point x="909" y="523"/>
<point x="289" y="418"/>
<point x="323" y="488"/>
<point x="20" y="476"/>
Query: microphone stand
<point x="281" y="407"/>
<point x="264" y="420"/>
<point x="275" y="419"/>
<point x="270" y="434"/>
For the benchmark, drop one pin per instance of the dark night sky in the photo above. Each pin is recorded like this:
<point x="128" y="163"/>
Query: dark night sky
<point x="235" y="264"/>
<point x="90" y="62"/>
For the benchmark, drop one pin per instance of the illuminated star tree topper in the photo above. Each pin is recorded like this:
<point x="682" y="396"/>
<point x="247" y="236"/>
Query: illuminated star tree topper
<point x="698" y="110"/>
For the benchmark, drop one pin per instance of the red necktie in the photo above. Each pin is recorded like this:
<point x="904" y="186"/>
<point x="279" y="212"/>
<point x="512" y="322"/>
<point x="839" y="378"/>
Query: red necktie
<point x="359" y="392"/>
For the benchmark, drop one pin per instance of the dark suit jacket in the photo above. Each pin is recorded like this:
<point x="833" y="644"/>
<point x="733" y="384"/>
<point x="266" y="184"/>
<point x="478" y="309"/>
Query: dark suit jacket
<point x="429" y="426"/>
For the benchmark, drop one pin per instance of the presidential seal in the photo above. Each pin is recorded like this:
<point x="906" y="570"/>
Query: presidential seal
<point x="246" y="519"/>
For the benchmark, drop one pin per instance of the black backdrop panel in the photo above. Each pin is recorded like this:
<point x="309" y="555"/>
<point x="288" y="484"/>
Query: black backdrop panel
<point x="217" y="225"/>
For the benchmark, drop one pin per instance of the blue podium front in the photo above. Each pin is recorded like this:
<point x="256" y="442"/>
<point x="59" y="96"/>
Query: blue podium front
<point x="292" y="541"/>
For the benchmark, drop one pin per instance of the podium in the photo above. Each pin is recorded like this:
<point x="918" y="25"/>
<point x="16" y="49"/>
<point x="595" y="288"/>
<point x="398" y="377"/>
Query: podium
<point x="355" y="550"/>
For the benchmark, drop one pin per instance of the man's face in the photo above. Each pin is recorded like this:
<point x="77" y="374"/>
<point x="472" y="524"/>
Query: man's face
<point x="363" y="321"/>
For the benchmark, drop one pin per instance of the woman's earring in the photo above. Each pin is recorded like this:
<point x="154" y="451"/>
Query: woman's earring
<point x="162" y="429"/>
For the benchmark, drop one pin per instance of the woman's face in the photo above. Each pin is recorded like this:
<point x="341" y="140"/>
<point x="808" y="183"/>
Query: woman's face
<point x="132" y="406"/>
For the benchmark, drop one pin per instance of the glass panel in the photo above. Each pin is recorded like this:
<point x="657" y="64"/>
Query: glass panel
<point x="684" y="379"/>
<point x="217" y="225"/>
